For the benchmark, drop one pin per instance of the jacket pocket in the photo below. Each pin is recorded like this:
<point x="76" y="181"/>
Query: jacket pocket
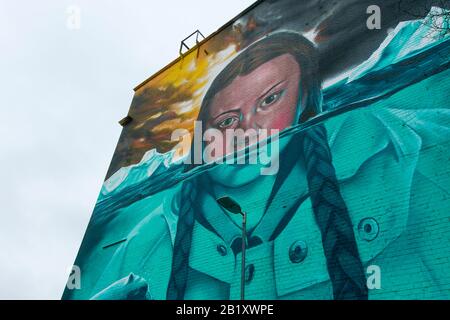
<point x="210" y="255"/>
<point x="299" y="259"/>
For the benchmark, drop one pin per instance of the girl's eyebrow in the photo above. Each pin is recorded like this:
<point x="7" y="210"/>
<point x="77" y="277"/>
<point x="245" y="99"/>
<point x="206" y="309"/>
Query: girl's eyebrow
<point x="267" y="91"/>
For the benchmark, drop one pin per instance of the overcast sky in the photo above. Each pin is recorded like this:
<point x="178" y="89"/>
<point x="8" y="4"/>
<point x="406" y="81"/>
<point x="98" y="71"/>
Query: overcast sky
<point x="62" y="92"/>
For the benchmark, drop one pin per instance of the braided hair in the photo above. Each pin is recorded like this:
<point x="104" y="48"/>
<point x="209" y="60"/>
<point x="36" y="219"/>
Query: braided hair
<point x="183" y="240"/>
<point x="331" y="215"/>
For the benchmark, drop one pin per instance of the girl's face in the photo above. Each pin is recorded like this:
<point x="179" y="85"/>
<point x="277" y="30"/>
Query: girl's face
<point x="266" y="98"/>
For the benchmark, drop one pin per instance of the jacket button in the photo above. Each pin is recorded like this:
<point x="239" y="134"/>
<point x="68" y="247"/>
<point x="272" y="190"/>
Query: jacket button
<point x="368" y="229"/>
<point x="298" y="251"/>
<point x="249" y="273"/>
<point x="222" y="249"/>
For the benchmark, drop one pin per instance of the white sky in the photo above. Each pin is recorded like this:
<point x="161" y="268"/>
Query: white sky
<point x="62" y="93"/>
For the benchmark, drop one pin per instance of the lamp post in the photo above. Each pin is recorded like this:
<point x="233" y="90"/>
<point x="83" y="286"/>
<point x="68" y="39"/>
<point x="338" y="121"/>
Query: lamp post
<point x="232" y="206"/>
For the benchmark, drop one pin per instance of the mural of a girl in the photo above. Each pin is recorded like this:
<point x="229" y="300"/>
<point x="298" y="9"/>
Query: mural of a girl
<point x="352" y="192"/>
<point x="272" y="84"/>
<point x="358" y="208"/>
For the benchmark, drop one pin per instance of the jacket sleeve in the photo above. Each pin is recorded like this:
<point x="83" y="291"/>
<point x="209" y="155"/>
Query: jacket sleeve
<point x="146" y="253"/>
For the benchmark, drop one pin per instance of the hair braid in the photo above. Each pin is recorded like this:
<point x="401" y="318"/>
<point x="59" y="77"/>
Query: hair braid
<point x="331" y="215"/>
<point x="182" y="245"/>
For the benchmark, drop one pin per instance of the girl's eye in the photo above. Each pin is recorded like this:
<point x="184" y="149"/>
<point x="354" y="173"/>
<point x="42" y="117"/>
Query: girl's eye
<point x="226" y="123"/>
<point x="271" y="99"/>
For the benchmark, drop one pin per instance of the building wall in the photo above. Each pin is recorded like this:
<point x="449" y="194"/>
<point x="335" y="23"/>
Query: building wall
<point x="347" y="199"/>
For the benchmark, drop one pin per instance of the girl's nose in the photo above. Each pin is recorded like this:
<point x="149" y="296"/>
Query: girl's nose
<point x="248" y="121"/>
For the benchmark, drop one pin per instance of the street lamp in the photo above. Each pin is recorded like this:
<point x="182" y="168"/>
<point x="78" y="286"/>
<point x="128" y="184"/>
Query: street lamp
<point x="232" y="206"/>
